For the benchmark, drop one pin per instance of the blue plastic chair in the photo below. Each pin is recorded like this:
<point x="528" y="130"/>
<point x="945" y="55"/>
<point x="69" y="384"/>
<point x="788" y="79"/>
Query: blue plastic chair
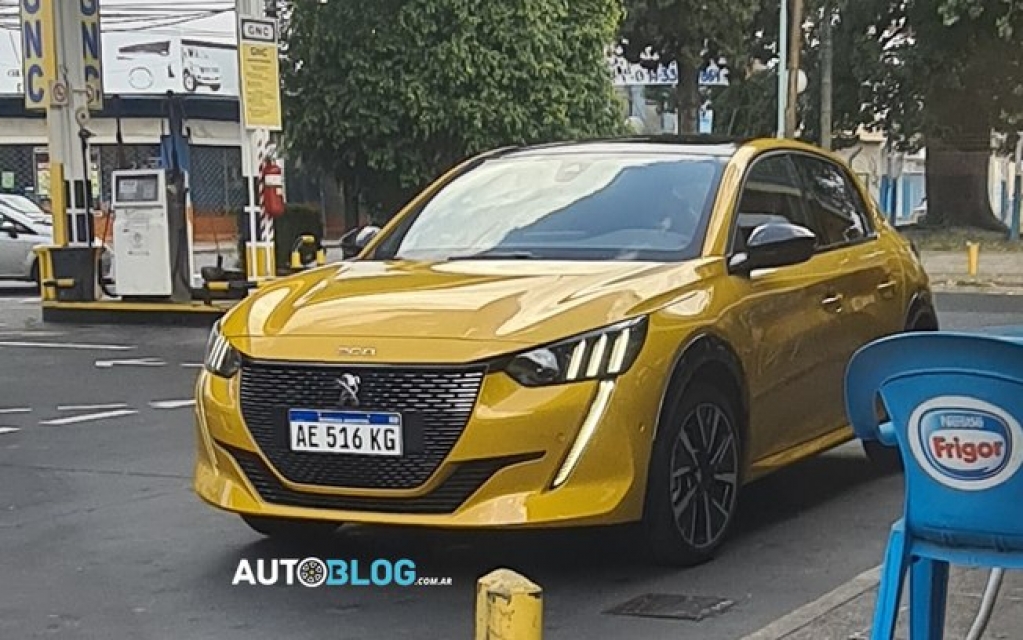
<point x="955" y="403"/>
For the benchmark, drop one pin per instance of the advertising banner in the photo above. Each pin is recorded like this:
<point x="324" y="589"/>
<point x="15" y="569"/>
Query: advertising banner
<point x="137" y="61"/>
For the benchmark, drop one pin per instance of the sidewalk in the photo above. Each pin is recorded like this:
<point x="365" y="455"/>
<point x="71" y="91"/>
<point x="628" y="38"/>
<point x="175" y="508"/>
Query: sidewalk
<point x="847" y="612"/>
<point x="998" y="272"/>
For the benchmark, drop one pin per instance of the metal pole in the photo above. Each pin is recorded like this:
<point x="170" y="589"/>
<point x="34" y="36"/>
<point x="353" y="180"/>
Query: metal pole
<point x="827" y="83"/>
<point x="1018" y="191"/>
<point x="783" y="65"/>
<point x="259" y="253"/>
<point x="795" y="49"/>
<point x="987" y="605"/>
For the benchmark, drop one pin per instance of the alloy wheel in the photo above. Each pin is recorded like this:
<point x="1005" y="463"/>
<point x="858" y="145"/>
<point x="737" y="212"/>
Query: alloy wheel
<point x="704" y="475"/>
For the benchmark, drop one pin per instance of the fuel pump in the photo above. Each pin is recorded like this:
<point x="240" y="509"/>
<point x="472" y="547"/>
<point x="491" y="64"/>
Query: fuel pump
<point x="152" y="238"/>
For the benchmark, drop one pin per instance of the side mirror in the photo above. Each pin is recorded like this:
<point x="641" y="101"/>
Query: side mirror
<point x="6" y="226"/>
<point x="353" y="242"/>
<point x="775" y="244"/>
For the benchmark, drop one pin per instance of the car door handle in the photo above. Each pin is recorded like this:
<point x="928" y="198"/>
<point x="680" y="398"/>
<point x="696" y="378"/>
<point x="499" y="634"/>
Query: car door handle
<point x="887" y="289"/>
<point x="833" y="302"/>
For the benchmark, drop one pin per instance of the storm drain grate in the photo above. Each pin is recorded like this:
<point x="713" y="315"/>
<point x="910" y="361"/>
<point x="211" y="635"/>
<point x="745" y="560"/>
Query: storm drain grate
<point x="675" y="607"/>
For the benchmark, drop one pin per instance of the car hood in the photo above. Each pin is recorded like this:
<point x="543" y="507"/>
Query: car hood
<point x="525" y="302"/>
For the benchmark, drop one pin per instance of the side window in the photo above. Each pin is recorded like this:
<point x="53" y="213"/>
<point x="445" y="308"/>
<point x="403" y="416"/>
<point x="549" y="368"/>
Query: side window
<point x="18" y="227"/>
<point x="834" y="201"/>
<point x="773" y="192"/>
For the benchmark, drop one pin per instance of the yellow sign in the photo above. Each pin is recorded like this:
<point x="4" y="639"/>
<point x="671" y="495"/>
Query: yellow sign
<point x="38" y="52"/>
<point x="88" y="18"/>
<point x="260" y="73"/>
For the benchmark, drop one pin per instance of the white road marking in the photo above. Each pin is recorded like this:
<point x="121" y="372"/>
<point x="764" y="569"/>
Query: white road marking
<point x="4" y="430"/>
<point x="91" y="407"/>
<point x="192" y="365"/>
<point x="171" y="404"/>
<point x="16" y="410"/>
<point x="67" y="345"/>
<point x="90" y="417"/>
<point x="138" y="362"/>
<point x="807" y="614"/>
<point x="31" y="334"/>
<point x="29" y="300"/>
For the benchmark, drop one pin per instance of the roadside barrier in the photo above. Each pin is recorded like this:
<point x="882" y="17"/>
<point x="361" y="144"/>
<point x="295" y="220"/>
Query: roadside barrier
<point x="509" y="606"/>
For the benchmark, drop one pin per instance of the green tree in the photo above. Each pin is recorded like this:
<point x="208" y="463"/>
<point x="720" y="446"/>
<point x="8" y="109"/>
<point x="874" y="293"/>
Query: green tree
<point x="749" y="106"/>
<point x="688" y="33"/>
<point x="385" y="95"/>
<point x="952" y="75"/>
<point x="941" y="74"/>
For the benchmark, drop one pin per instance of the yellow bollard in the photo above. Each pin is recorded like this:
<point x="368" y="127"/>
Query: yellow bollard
<point x="972" y="258"/>
<point x="509" y="606"/>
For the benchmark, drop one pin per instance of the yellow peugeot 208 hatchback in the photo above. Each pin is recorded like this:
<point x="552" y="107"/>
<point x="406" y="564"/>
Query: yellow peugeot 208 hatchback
<point x="585" y="333"/>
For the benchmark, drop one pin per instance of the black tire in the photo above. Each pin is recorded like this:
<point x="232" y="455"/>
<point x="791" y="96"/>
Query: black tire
<point x="189" y="81"/>
<point x="215" y="87"/>
<point x="33" y="276"/>
<point x="694" y="479"/>
<point x="290" y="530"/>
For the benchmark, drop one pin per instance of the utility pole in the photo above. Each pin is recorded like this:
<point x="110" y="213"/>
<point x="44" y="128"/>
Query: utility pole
<point x="783" y="65"/>
<point x="259" y="115"/>
<point x="795" y="49"/>
<point x="827" y="75"/>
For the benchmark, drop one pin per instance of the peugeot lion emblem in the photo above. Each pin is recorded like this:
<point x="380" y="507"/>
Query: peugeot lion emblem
<point x="349" y="384"/>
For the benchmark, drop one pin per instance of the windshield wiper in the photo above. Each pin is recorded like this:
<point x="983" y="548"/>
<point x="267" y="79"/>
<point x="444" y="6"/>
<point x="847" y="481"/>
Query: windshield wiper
<point x="498" y="255"/>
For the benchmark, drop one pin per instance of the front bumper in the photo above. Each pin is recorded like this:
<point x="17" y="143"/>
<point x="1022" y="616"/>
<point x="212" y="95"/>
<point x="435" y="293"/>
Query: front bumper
<point x="499" y="473"/>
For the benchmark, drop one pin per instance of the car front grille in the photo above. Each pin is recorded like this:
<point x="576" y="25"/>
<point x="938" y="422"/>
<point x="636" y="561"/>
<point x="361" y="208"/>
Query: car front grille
<point x="459" y="486"/>
<point x="435" y="402"/>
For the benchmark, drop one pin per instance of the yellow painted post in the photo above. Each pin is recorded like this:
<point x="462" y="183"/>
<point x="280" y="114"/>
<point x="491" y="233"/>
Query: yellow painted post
<point x="58" y="204"/>
<point x="509" y="606"/>
<point x="972" y="258"/>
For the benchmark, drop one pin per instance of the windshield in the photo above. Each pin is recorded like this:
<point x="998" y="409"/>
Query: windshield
<point x="566" y="206"/>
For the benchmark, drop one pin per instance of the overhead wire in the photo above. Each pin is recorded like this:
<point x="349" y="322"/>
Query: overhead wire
<point x="140" y="16"/>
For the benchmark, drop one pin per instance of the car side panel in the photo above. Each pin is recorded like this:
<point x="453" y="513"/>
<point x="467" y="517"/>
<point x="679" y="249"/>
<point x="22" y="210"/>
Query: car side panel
<point x="780" y="331"/>
<point x="868" y="280"/>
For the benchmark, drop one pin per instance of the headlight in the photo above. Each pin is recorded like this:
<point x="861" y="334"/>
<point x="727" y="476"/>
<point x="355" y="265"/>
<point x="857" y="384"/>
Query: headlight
<point x="221" y="358"/>
<point x="598" y="355"/>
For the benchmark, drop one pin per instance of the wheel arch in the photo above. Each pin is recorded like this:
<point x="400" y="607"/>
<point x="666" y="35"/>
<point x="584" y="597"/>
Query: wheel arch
<point x="921" y="304"/>
<point x="708" y="354"/>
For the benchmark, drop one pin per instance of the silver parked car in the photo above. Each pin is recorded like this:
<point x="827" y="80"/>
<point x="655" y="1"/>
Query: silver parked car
<point x="24" y="226"/>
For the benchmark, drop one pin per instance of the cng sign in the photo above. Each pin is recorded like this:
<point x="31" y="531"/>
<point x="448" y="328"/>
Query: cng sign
<point x="259" y="30"/>
<point x="38" y="52"/>
<point x="92" y="61"/>
<point x="260" y="73"/>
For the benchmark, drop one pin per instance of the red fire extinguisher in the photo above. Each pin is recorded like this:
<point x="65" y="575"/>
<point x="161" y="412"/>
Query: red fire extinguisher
<point x="272" y="178"/>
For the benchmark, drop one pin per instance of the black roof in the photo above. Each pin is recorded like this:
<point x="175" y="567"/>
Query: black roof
<point x="710" y="145"/>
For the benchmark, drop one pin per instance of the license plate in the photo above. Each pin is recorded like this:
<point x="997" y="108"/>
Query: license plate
<point x="346" y="432"/>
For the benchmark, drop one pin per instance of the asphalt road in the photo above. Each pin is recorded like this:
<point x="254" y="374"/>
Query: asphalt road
<point x="101" y="536"/>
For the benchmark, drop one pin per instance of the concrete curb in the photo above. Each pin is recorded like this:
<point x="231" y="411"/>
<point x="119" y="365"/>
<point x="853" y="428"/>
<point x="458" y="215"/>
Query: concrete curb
<point x="807" y="614"/>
